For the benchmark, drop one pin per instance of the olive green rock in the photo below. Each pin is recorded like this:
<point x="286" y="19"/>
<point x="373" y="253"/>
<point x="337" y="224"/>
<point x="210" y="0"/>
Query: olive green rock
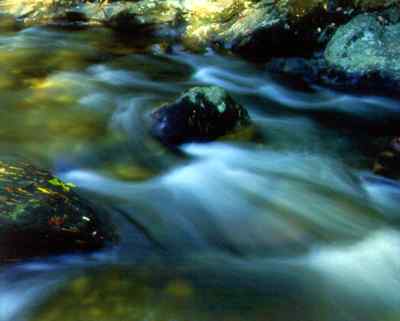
<point x="368" y="45"/>
<point x="200" y="114"/>
<point x="41" y="215"/>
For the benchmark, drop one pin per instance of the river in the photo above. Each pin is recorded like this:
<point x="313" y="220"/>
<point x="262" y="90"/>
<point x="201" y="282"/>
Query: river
<point x="292" y="226"/>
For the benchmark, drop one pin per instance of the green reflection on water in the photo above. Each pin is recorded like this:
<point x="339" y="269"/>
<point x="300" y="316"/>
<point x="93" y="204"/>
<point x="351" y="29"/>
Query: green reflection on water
<point x="45" y="79"/>
<point x="160" y="294"/>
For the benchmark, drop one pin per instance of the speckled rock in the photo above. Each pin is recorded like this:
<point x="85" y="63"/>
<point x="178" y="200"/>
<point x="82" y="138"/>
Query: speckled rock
<point x="41" y="215"/>
<point x="199" y="114"/>
<point x="367" y="46"/>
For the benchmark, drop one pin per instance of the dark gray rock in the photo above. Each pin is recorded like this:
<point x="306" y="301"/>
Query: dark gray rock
<point x="40" y="215"/>
<point x="368" y="46"/>
<point x="199" y="114"/>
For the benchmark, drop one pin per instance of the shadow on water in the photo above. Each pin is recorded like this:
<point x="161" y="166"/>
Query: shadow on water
<point x="291" y="227"/>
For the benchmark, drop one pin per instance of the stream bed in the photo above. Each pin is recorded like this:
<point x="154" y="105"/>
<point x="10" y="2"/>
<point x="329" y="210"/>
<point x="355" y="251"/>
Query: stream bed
<point x="292" y="226"/>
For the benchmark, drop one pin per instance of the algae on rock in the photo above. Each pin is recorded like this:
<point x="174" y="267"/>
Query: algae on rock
<point x="41" y="215"/>
<point x="368" y="45"/>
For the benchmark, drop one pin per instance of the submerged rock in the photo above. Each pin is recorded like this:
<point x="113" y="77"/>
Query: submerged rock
<point x="388" y="162"/>
<point x="199" y="114"/>
<point x="199" y="291"/>
<point x="117" y="294"/>
<point x="41" y="215"/>
<point x="368" y="48"/>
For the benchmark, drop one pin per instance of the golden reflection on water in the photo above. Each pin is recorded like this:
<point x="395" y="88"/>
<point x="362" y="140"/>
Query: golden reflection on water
<point x="42" y="83"/>
<point x="117" y="294"/>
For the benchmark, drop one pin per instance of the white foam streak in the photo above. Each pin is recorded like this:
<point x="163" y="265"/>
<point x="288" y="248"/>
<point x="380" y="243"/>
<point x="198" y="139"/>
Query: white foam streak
<point x="254" y="199"/>
<point x="367" y="271"/>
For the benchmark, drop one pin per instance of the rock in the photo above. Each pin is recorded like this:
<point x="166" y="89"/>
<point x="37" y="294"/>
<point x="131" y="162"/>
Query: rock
<point x="361" y="56"/>
<point x="195" y="291"/>
<point x="374" y="4"/>
<point x="304" y="73"/>
<point x="265" y="28"/>
<point x="121" y="294"/>
<point x="367" y="48"/>
<point x="199" y="114"/>
<point x="120" y="15"/>
<point x="41" y="215"/>
<point x="251" y="27"/>
<point x="277" y="33"/>
<point x="296" y="68"/>
<point x="388" y="162"/>
<point x="259" y="28"/>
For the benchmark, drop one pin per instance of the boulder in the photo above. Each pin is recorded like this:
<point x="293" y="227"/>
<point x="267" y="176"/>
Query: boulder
<point x="41" y="215"/>
<point x="199" y="114"/>
<point x="260" y="29"/>
<point x="367" y="48"/>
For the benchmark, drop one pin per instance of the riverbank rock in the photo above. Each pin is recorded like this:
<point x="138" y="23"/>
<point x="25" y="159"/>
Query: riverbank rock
<point x="41" y="215"/>
<point x="254" y="28"/>
<point x="367" y="49"/>
<point x="120" y="15"/>
<point x="262" y="29"/>
<point x="387" y="163"/>
<point x="200" y="114"/>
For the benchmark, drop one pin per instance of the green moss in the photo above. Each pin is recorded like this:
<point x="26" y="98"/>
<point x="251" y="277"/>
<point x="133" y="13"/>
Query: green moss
<point x="65" y="186"/>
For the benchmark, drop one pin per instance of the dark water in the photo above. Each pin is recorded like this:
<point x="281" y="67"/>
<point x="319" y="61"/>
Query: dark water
<point x="291" y="227"/>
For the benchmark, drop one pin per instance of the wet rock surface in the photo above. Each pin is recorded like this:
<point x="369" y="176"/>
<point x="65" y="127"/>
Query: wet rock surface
<point x="200" y="114"/>
<point x="317" y="71"/>
<point x="361" y="56"/>
<point x="270" y="29"/>
<point x="256" y="29"/>
<point x="41" y="215"/>
<point x="367" y="48"/>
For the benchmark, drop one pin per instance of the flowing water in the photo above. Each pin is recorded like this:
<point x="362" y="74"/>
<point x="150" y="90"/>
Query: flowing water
<point x="289" y="227"/>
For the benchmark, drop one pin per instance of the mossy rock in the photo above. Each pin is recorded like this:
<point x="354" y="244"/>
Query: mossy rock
<point x="368" y="46"/>
<point x="198" y="115"/>
<point x="41" y="215"/>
